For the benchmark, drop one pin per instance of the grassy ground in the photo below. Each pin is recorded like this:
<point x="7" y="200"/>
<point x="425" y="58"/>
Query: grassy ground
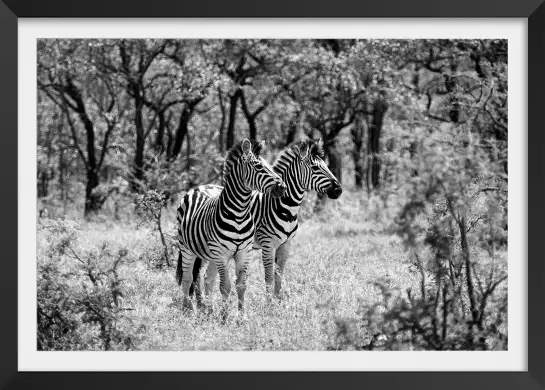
<point x="335" y="260"/>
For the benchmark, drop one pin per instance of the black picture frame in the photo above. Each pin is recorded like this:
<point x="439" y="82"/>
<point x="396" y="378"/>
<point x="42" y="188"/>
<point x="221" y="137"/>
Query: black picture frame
<point x="11" y="10"/>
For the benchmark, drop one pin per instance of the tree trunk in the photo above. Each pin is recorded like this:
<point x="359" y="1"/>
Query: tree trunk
<point x="92" y="200"/>
<point x="138" y="166"/>
<point x="92" y="203"/>
<point x="250" y="118"/>
<point x="138" y="170"/>
<point x="291" y="132"/>
<point x="221" y="141"/>
<point x="230" y="141"/>
<point x="159" y="144"/>
<point x="414" y="150"/>
<point x="389" y="165"/>
<point x="462" y="225"/>
<point x="62" y="170"/>
<point x="357" y="138"/>
<point x="181" y="132"/>
<point x="190" y="181"/>
<point x="373" y="144"/>
<point x="253" y="127"/>
<point x="43" y="184"/>
<point x="47" y="173"/>
<point x="170" y="143"/>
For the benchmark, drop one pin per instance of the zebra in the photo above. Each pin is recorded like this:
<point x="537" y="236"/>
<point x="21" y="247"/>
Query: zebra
<point x="217" y="225"/>
<point x="303" y="169"/>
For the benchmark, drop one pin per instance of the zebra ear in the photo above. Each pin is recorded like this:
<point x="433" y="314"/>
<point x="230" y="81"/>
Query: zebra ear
<point x="320" y="143"/>
<point x="246" y="147"/>
<point x="262" y="146"/>
<point x="302" y="153"/>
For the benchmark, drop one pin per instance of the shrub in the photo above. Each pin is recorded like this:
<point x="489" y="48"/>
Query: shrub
<point x="453" y="223"/>
<point x="79" y="294"/>
<point x="151" y="205"/>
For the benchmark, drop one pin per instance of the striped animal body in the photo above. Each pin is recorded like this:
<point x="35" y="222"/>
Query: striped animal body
<point x="303" y="169"/>
<point x="215" y="224"/>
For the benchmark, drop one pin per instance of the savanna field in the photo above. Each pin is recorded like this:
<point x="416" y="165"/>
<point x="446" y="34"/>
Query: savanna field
<point x="336" y="259"/>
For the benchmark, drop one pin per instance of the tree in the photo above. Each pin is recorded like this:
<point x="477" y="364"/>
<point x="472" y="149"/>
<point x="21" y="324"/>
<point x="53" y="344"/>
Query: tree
<point x="67" y="74"/>
<point x="258" y="72"/>
<point x="49" y="131"/>
<point x="132" y="104"/>
<point x="461" y="81"/>
<point x="132" y="62"/>
<point x="194" y="79"/>
<point x="330" y="99"/>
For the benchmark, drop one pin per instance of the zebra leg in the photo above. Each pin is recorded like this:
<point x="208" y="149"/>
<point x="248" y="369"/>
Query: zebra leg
<point x="267" y="255"/>
<point x="188" y="260"/>
<point x="242" y="260"/>
<point x="197" y="286"/>
<point x="282" y="253"/>
<point x="210" y="277"/>
<point x="196" y="272"/>
<point x="225" y="285"/>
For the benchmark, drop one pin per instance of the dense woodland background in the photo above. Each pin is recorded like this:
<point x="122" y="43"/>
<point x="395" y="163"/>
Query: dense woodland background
<point x="141" y="110"/>
<point x="415" y="130"/>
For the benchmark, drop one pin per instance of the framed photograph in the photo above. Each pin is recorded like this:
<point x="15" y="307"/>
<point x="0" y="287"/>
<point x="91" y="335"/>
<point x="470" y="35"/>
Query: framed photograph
<point x="354" y="166"/>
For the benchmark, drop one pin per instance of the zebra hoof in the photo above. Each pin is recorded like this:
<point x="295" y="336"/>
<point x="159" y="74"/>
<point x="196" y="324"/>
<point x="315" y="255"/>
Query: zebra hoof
<point x="279" y="296"/>
<point x="187" y="306"/>
<point x="200" y="303"/>
<point x="205" y="308"/>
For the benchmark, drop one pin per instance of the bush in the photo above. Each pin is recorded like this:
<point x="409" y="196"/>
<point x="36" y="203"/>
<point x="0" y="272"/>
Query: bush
<point x="79" y="294"/>
<point x="453" y="223"/>
<point x="150" y="205"/>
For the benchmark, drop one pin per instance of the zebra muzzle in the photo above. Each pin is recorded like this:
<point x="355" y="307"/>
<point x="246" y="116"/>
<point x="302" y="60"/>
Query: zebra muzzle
<point x="335" y="190"/>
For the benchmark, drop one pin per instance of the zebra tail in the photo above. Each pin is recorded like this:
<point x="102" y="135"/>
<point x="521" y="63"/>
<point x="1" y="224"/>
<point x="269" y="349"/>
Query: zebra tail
<point x="196" y="269"/>
<point x="179" y="269"/>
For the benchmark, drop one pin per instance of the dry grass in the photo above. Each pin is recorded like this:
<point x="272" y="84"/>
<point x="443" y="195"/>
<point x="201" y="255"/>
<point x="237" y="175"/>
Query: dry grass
<point x="335" y="260"/>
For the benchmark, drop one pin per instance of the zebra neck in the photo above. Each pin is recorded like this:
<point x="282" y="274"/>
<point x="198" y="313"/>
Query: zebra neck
<point x="295" y="193"/>
<point x="234" y="201"/>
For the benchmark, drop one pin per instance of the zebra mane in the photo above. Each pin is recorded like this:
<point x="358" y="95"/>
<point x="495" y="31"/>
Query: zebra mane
<point x="314" y="149"/>
<point x="286" y="156"/>
<point x="234" y="154"/>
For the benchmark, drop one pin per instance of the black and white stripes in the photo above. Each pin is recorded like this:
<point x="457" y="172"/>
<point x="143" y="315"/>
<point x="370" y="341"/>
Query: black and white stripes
<point x="303" y="169"/>
<point x="215" y="223"/>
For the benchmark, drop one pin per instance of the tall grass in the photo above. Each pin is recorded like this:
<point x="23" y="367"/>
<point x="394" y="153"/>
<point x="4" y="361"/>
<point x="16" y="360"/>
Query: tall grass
<point x="336" y="259"/>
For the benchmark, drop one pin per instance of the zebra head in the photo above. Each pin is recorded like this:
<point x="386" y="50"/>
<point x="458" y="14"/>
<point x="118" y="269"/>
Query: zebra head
<point x="257" y="173"/>
<point x="313" y="171"/>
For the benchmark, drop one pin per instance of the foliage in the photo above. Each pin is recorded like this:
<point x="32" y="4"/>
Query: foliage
<point x="80" y="294"/>
<point x="151" y="206"/>
<point x="129" y="108"/>
<point x="453" y="224"/>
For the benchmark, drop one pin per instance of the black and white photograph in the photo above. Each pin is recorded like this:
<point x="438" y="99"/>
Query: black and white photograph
<point x="271" y="194"/>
